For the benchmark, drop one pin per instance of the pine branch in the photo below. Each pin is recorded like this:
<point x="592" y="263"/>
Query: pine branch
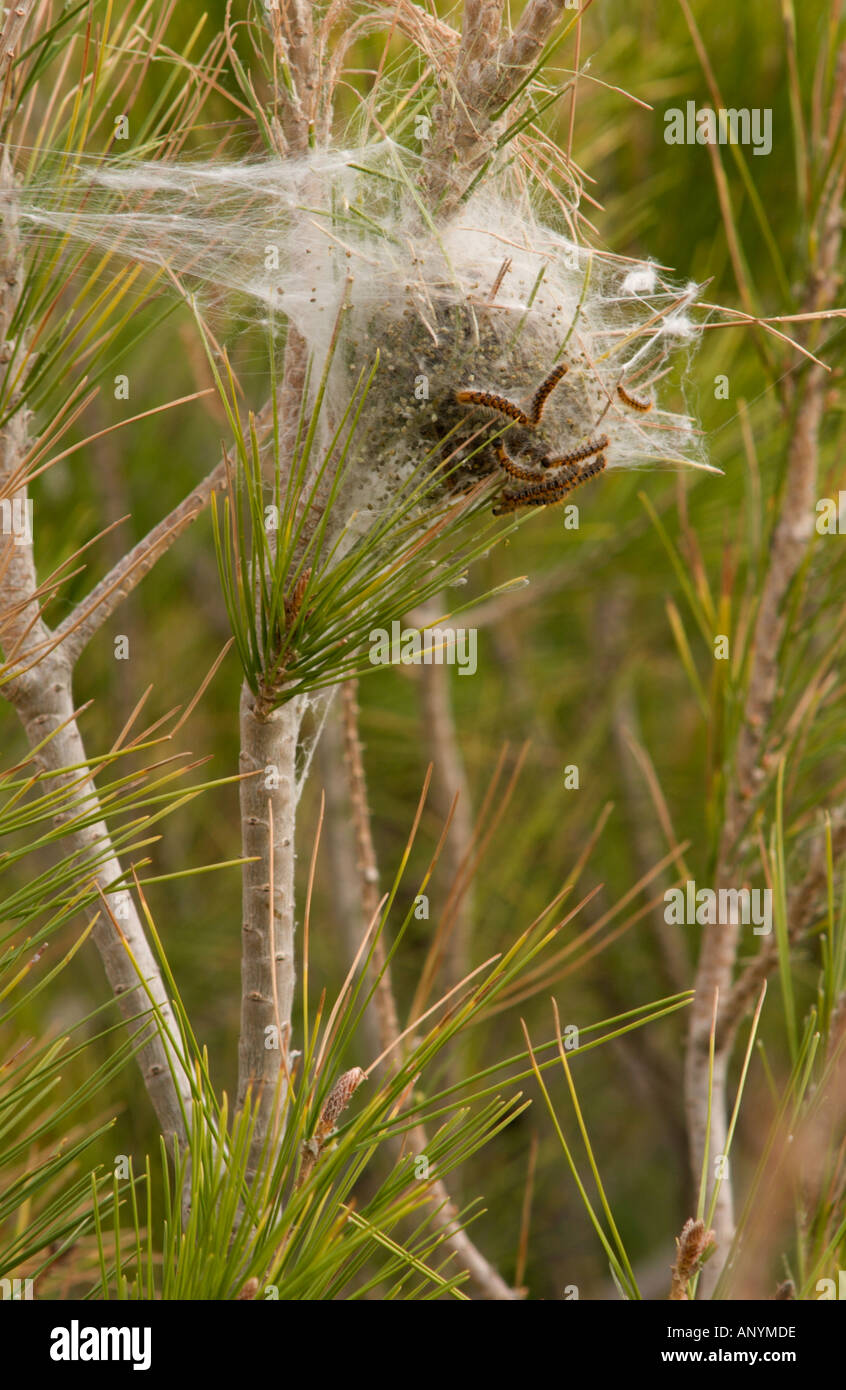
<point x="290" y="25"/>
<point x="43" y="699"/>
<point x="706" y="1094"/>
<point x="488" y="74"/>
<point x="804" y="905"/>
<point x="97" y="607"/>
<point x="487" y="1278"/>
<point x="268" y="818"/>
<point x="450" y="799"/>
<point x="383" y="999"/>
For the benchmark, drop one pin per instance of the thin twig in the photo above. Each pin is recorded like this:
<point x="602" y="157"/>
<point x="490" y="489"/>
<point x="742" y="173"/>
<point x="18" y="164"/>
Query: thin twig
<point x="97" y="607"/>
<point x="706" y="1092"/>
<point x="43" y="699"/>
<point x="450" y="794"/>
<point x="489" y="1281"/>
<point x="383" y="999"/>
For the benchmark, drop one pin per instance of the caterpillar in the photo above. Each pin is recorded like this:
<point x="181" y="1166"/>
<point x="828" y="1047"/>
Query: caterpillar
<point x="517" y="470"/>
<point x="632" y="401"/>
<point x="499" y="403"/>
<point x="551" y="491"/>
<point x="584" y="451"/>
<point x="545" y="390"/>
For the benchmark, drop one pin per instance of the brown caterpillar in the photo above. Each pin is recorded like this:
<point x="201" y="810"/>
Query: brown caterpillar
<point x="584" y="451"/>
<point x="503" y="406"/>
<point x="545" y="390"/>
<point x="551" y="491"/>
<point x="632" y="401"/>
<point x="517" y="470"/>
<point x="499" y="403"/>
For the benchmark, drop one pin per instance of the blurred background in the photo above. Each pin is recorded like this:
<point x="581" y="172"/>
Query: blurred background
<point x="582" y="668"/>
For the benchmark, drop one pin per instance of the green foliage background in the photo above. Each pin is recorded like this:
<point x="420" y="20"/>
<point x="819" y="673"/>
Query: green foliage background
<point x="586" y="647"/>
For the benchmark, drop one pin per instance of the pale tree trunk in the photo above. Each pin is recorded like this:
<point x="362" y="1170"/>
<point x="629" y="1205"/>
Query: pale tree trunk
<point x="792" y="535"/>
<point x="44" y="703"/>
<point x="41" y="693"/>
<point x="269" y="740"/>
